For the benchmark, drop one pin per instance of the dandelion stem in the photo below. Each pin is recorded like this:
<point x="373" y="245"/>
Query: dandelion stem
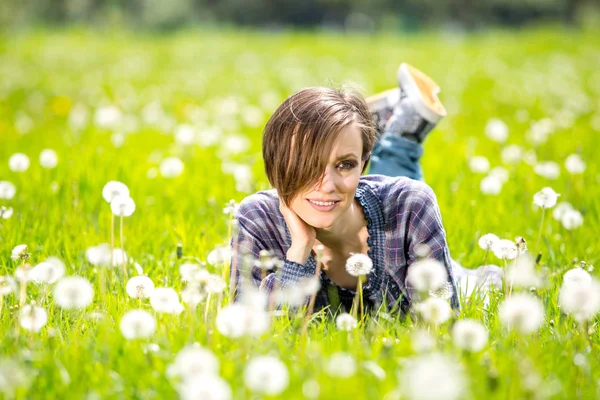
<point x="505" y="283"/>
<point x="360" y="294"/>
<point x="311" y="303"/>
<point x="23" y="285"/>
<point x="123" y="249"/>
<point x="207" y="310"/>
<point x="537" y="244"/>
<point x="112" y="246"/>
<point x="485" y="257"/>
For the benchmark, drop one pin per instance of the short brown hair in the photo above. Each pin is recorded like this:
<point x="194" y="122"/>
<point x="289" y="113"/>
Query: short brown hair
<point x="302" y="130"/>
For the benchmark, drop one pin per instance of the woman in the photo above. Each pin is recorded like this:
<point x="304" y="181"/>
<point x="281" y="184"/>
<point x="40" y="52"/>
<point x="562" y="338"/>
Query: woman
<point x="316" y="145"/>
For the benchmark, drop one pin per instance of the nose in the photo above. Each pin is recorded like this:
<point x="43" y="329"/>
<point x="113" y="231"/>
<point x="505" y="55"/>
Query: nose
<point x="328" y="182"/>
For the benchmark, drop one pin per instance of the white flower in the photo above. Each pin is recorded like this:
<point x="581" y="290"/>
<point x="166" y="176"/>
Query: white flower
<point x="512" y="154"/>
<point x="120" y="257"/>
<point x="432" y="377"/>
<point x="572" y="219"/>
<point x="582" y="299"/>
<point x="522" y="273"/>
<point x="214" y="284"/>
<point x="20" y="252"/>
<point x="487" y="241"/>
<point x="434" y="310"/>
<point x="48" y="271"/>
<point x="576" y="276"/>
<point x="266" y="375"/>
<point x="139" y="287"/>
<point x="113" y="189"/>
<point x="193" y="294"/>
<point x="165" y="300"/>
<point x="345" y="322"/>
<point x="545" y="198"/>
<point x="7" y="190"/>
<point x="6" y="213"/>
<point x="505" y="249"/>
<point x="310" y="285"/>
<point x="8" y="285"/>
<point x="547" y="169"/>
<point x="18" y="162"/>
<point x="359" y="264"/>
<point x="522" y="312"/>
<point x="107" y="117"/>
<point x="188" y="270"/>
<point x="237" y="320"/>
<point x="496" y="130"/>
<point x="73" y="292"/>
<point x="501" y="173"/>
<point x="422" y="341"/>
<point x="574" y="164"/>
<point x="341" y="365"/>
<point x="32" y="318"/>
<point x="206" y="387"/>
<point x="311" y="389"/>
<point x="470" y="335"/>
<point x="235" y="144"/>
<point x="560" y="210"/>
<point x="171" y="167"/>
<point x="192" y="362"/>
<point x="427" y="274"/>
<point x="98" y="255"/>
<point x="185" y="135"/>
<point x="491" y="185"/>
<point x="122" y="206"/>
<point x="479" y="164"/>
<point x="219" y="256"/>
<point x="137" y="324"/>
<point x="48" y="159"/>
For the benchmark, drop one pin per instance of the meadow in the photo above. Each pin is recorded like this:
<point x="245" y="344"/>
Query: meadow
<point x="178" y="119"/>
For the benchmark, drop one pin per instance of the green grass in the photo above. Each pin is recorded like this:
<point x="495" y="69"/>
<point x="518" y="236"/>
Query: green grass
<point x="495" y="74"/>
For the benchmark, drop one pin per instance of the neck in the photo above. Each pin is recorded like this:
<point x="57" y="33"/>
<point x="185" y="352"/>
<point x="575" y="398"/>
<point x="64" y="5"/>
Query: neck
<point x="345" y="232"/>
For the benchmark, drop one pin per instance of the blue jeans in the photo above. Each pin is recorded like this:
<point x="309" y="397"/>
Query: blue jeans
<point x="394" y="155"/>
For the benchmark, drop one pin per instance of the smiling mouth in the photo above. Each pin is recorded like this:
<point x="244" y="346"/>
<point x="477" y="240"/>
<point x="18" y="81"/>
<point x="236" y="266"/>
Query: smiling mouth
<point x="323" y="205"/>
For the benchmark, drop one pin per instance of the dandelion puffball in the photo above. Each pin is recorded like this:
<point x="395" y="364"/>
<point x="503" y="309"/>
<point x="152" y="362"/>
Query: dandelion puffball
<point x="571" y="219"/>
<point x="427" y="274"/>
<point x="491" y="185"/>
<point x="18" y="162"/>
<point x="139" y="287"/>
<point x="48" y="271"/>
<point x="33" y="318"/>
<point x="165" y="301"/>
<point x="345" y="322"/>
<point x="486" y="242"/>
<point x="171" y="167"/>
<point x="359" y="265"/>
<point x="522" y="312"/>
<point x="19" y="252"/>
<point x="434" y="310"/>
<point x="341" y="365"/>
<point x="137" y="324"/>
<point x="560" y="210"/>
<point x="206" y="387"/>
<point x="122" y="206"/>
<point x="72" y="292"/>
<point x="576" y="275"/>
<point x="237" y="320"/>
<point x="6" y="213"/>
<point x="512" y="154"/>
<point x="432" y="377"/>
<point x="219" y="256"/>
<point x="479" y="164"/>
<point x="48" y="159"/>
<point x="574" y="164"/>
<point x="99" y="255"/>
<point x="7" y="190"/>
<point x="581" y="299"/>
<point x="266" y="375"/>
<point x="496" y="130"/>
<point x="505" y="249"/>
<point x="469" y="335"/>
<point x="193" y="362"/>
<point x="545" y="198"/>
<point x="113" y="189"/>
<point x="547" y="169"/>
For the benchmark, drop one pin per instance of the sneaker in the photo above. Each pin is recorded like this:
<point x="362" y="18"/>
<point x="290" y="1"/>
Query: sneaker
<point x="381" y="106"/>
<point x="418" y="110"/>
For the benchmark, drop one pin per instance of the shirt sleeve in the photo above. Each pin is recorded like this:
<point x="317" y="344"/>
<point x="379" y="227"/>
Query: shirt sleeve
<point x="426" y="232"/>
<point x="255" y="232"/>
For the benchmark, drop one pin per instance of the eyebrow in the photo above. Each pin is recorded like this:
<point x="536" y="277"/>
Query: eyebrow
<point x="346" y="156"/>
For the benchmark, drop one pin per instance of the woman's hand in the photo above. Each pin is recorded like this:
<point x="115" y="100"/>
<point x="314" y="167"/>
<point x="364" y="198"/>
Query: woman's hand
<point x="303" y="235"/>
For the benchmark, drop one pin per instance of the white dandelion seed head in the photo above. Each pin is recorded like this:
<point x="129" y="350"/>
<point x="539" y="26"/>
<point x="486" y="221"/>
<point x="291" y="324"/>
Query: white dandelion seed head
<point x="486" y="242"/>
<point x="6" y="213"/>
<point x="254" y="298"/>
<point x="479" y="164"/>
<point x="422" y="341"/>
<point x="266" y="375"/>
<point x="560" y="210"/>
<point x="219" y="256"/>
<point x="139" y="287"/>
<point x="165" y="301"/>
<point x="192" y="362"/>
<point x="193" y="294"/>
<point x="188" y="270"/>
<point x="107" y="117"/>
<point x="310" y="285"/>
<point x="345" y="322"/>
<point x="311" y="389"/>
<point x="505" y="249"/>
<point x="522" y="312"/>
<point x="359" y="264"/>
<point x="427" y="274"/>
<point x="291" y="295"/>
<point x="581" y="300"/>
<point x="113" y="189"/>
<point x="434" y="310"/>
<point x="171" y="167"/>
<point x="446" y="374"/>
<point x="469" y="335"/>
<point x="32" y="318"/>
<point x="8" y="285"/>
<point x="122" y="206"/>
<point x="501" y="173"/>
<point x="522" y="273"/>
<point x="491" y="185"/>
<point x="7" y="190"/>
<point x="341" y="365"/>
<point x="137" y="324"/>
<point x="19" y="252"/>
<point x="73" y="292"/>
<point x="48" y="159"/>
<point x="120" y="257"/>
<point x="496" y="130"/>
<point x="206" y="387"/>
<point x="215" y="284"/>
<point x="575" y="164"/>
<point x="571" y="219"/>
<point x="235" y="144"/>
<point x="98" y="255"/>
<point x="185" y="135"/>
<point x="18" y="162"/>
<point x="512" y="154"/>
<point x="23" y="274"/>
<point x="576" y="276"/>
<point x="547" y="169"/>
<point x="48" y="271"/>
<point x="237" y="320"/>
<point x="545" y="198"/>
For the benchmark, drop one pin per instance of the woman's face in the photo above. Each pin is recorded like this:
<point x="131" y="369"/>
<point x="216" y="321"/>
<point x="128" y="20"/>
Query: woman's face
<point x="321" y="206"/>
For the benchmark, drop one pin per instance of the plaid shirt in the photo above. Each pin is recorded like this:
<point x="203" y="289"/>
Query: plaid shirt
<point x="401" y="214"/>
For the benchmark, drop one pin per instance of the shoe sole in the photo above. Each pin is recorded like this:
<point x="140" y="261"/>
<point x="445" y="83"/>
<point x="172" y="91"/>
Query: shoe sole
<point x="423" y="91"/>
